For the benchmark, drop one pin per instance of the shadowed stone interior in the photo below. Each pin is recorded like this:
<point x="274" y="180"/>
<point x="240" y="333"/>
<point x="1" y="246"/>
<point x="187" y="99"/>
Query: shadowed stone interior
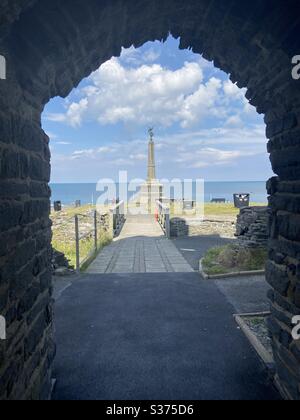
<point x="252" y="227"/>
<point x="50" y="46"/>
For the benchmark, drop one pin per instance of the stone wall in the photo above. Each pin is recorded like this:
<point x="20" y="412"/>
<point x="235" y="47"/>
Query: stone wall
<point x="283" y="274"/>
<point x="60" y="265"/>
<point x="25" y="251"/>
<point x="181" y="226"/>
<point x="252" y="227"/>
<point x="63" y="230"/>
<point x="50" y="47"/>
<point x="105" y="222"/>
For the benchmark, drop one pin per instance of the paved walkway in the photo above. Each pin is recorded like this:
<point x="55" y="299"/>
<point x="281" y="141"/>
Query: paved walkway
<point x="193" y="248"/>
<point x="140" y="248"/>
<point x="246" y="294"/>
<point x="168" y="336"/>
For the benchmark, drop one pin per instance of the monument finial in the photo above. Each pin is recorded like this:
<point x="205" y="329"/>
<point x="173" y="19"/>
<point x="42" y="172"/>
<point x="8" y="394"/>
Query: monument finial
<point x="151" y="133"/>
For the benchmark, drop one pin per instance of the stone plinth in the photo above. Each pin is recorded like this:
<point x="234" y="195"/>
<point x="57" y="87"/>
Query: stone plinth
<point x="150" y="193"/>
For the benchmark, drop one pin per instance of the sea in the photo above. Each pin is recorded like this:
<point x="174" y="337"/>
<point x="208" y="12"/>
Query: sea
<point x="68" y="194"/>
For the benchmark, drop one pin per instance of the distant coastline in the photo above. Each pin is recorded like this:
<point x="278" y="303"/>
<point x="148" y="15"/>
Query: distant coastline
<point x="69" y="193"/>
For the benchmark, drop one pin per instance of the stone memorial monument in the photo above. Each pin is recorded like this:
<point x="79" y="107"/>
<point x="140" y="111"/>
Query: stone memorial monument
<point x="152" y="190"/>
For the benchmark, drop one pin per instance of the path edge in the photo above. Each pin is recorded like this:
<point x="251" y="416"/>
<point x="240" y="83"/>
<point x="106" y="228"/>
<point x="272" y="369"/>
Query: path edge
<point x="228" y="275"/>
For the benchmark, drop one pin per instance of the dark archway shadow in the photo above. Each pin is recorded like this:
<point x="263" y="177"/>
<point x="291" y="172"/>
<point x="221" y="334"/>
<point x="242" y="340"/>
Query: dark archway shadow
<point x="156" y="335"/>
<point x="167" y="336"/>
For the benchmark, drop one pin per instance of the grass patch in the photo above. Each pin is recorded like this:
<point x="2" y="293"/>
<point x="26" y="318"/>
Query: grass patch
<point x="231" y="259"/>
<point x="225" y="209"/>
<point x="63" y="233"/>
<point x="215" y="209"/>
<point x="228" y="209"/>
<point x="68" y="246"/>
<point x="258" y="326"/>
<point x="72" y="211"/>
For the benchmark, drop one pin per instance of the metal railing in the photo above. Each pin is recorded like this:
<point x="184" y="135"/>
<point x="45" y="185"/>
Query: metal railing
<point x="91" y="234"/>
<point x="164" y="218"/>
<point x="117" y="217"/>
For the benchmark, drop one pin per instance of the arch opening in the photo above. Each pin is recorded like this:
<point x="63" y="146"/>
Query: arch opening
<point x="204" y="128"/>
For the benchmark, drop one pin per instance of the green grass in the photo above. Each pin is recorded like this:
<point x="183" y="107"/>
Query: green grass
<point x="230" y="259"/>
<point x="218" y="209"/>
<point x="68" y="247"/>
<point x="63" y="239"/>
<point x="257" y="321"/>
<point x="69" y="212"/>
<point x="211" y="209"/>
<point x="227" y="209"/>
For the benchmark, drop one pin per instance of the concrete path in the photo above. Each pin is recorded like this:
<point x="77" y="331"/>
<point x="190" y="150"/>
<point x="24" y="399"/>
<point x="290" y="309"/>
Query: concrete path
<point x="195" y="247"/>
<point x="152" y="336"/>
<point x="140" y="248"/>
<point x="246" y="294"/>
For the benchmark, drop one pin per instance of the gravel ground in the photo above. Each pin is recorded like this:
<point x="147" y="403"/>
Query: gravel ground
<point x="258" y="326"/>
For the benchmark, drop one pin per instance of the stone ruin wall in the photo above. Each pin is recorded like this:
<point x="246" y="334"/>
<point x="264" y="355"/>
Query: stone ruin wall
<point x="252" y="227"/>
<point x="181" y="226"/>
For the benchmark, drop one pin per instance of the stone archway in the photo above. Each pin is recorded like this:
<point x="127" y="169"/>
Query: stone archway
<point x="49" y="47"/>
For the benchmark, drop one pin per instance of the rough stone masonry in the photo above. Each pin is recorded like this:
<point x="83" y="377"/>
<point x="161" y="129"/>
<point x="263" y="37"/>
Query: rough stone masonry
<point x="252" y="227"/>
<point x="49" y="47"/>
<point x="213" y="226"/>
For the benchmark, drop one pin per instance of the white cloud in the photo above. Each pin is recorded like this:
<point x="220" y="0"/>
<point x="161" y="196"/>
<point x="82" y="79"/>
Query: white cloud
<point x="73" y="116"/>
<point x="201" y="103"/>
<point x="206" y="148"/>
<point x="55" y="117"/>
<point x="138" y="157"/>
<point x="52" y="136"/>
<point x="55" y="140"/>
<point x="136" y="57"/>
<point x="151" y="55"/>
<point x="231" y="90"/>
<point x="136" y="92"/>
<point x="234" y="121"/>
<point x="212" y="156"/>
<point x="152" y="94"/>
<point x="106" y="149"/>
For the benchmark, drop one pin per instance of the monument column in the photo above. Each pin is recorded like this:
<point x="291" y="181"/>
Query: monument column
<point x="151" y="191"/>
<point x="151" y="158"/>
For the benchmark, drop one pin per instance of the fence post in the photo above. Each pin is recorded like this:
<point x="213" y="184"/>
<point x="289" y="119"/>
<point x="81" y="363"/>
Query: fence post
<point x="77" y="243"/>
<point x="111" y="223"/>
<point x="168" y="227"/>
<point x="96" y="231"/>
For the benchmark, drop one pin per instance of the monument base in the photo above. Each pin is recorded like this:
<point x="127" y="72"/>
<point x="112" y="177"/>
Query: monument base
<point x="149" y="194"/>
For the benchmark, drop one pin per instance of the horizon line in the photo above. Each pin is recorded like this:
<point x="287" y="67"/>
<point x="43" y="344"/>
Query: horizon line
<point x="95" y="182"/>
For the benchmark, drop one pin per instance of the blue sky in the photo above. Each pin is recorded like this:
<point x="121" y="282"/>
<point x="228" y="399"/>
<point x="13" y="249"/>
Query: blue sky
<point x="204" y="127"/>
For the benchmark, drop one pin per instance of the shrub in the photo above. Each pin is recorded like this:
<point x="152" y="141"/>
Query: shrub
<point x="231" y="258"/>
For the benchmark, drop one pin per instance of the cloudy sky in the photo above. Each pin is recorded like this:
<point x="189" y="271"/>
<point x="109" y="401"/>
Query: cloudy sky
<point x="204" y="126"/>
